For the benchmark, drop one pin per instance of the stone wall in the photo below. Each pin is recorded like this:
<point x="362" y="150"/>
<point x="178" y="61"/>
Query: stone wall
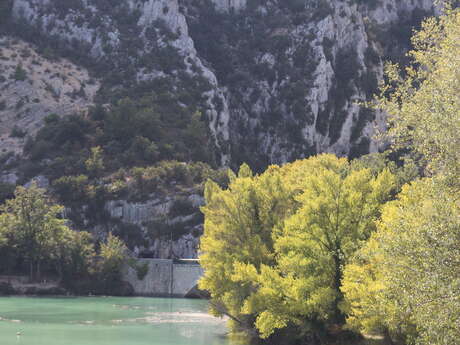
<point x="185" y="278"/>
<point x="163" y="278"/>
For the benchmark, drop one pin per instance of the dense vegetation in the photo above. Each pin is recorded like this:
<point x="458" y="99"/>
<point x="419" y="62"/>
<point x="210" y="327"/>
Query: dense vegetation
<point x="130" y="134"/>
<point x="34" y="238"/>
<point x="302" y="253"/>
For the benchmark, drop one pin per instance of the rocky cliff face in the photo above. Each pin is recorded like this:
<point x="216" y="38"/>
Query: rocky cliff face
<point x="296" y="71"/>
<point x="157" y="221"/>
<point x="283" y="78"/>
<point x="140" y="40"/>
<point x="33" y="86"/>
<point x="276" y="79"/>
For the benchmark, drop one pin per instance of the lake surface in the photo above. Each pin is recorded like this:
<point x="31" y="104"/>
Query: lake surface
<point x="108" y="321"/>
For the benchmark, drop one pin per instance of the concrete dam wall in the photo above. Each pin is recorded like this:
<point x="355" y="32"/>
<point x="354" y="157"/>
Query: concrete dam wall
<point x="164" y="278"/>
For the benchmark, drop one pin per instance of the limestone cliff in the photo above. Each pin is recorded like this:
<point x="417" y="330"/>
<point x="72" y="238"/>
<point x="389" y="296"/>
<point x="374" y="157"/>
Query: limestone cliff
<point x="276" y="80"/>
<point x="284" y="77"/>
<point x="156" y="222"/>
<point x="33" y="86"/>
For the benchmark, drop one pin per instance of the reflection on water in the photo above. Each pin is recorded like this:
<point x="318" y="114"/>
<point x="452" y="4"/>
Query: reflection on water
<point x="109" y="321"/>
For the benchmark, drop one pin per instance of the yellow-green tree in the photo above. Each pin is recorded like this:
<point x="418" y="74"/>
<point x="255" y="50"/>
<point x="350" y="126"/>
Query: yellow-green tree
<point x="3" y="238"/>
<point x="113" y="255"/>
<point x="406" y="280"/>
<point x="337" y="209"/>
<point x="238" y="229"/>
<point x="423" y="106"/>
<point x="275" y="245"/>
<point x="95" y="163"/>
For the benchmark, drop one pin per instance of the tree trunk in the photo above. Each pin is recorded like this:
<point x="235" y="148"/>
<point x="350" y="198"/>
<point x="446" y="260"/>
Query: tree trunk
<point x="38" y="271"/>
<point x="31" y="271"/>
<point x="339" y="317"/>
<point x="387" y="338"/>
<point x="59" y="269"/>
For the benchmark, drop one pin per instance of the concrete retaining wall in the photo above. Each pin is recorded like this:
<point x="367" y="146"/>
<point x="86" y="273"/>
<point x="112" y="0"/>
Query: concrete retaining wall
<point x="185" y="278"/>
<point x="163" y="278"/>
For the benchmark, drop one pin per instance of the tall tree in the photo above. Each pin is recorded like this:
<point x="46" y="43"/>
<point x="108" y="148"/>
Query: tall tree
<point x="338" y="207"/>
<point x="423" y="101"/>
<point x="274" y="245"/>
<point x="113" y="255"/>
<point x="33" y="223"/>
<point x="406" y="280"/>
<point x="238" y="229"/>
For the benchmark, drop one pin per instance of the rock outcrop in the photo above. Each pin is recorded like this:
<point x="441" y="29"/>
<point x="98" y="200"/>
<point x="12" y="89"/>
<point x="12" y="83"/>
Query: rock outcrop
<point x="167" y="227"/>
<point x="34" y="86"/>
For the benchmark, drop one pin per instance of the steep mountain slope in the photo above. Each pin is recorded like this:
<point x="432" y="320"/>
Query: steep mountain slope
<point x="215" y="81"/>
<point x="33" y="86"/>
<point x="279" y="79"/>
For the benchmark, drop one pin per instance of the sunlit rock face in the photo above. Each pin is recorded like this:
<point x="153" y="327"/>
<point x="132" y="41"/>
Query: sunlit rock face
<point x="32" y="87"/>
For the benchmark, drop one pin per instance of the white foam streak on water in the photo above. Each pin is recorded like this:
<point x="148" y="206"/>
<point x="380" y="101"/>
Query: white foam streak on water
<point x="177" y="317"/>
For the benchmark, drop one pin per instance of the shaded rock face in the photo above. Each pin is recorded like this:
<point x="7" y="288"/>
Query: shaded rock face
<point x="282" y="79"/>
<point x="229" y="5"/>
<point x="167" y="227"/>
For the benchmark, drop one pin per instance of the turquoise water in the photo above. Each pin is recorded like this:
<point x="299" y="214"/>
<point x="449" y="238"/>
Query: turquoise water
<point x="108" y="321"/>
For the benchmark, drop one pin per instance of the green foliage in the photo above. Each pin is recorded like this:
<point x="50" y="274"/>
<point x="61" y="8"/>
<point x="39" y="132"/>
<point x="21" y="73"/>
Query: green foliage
<point x="17" y="133"/>
<point x="72" y="189"/>
<point x="78" y="259"/>
<point x="428" y="124"/>
<point x="113" y="254"/>
<point x="405" y="280"/>
<point x="95" y="163"/>
<point x="133" y="133"/>
<point x="19" y="73"/>
<point x="238" y="228"/>
<point x="275" y="245"/>
<point x="35" y="238"/>
<point x="164" y="177"/>
<point x="142" y="270"/>
<point x="6" y="191"/>
<point x="34" y="231"/>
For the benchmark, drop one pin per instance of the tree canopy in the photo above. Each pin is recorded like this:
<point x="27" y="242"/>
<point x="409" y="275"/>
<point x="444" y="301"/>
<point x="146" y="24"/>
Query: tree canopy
<point x="406" y="279"/>
<point x="422" y="101"/>
<point x="34" y="233"/>
<point x="275" y="245"/>
<point x="34" y="226"/>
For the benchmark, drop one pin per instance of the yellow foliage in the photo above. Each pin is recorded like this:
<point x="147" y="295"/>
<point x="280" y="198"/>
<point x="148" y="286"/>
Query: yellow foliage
<point x="275" y="244"/>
